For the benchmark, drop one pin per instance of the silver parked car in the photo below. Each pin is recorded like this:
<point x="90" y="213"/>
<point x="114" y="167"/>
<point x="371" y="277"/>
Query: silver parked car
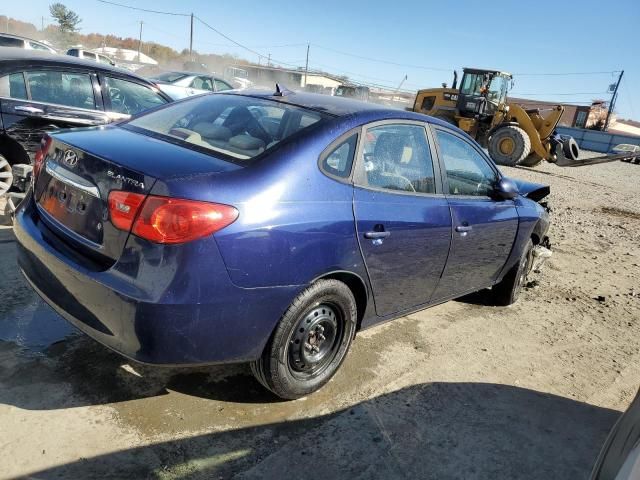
<point x="185" y="84"/>
<point x="7" y="40"/>
<point x="89" y="55"/>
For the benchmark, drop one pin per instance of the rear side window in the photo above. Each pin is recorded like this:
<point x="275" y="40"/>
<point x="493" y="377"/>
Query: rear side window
<point x="202" y="83"/>
<point x="37" y="46"/>
<point x="397" y="157"/>
<point x="90" y="56"/>
<point x="12" y="86"/>
<point x="61" y="88"/>
<point x="339" y="160"/>
<point x="468" y="173"/>
<point x="11" y="42"/>
<point x="234" y="126"/>
<point x="131" y="98"/>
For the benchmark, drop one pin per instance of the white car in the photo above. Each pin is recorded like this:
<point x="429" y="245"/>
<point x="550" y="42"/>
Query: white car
<point x="186" y="84"/>
<point x="625" y="148"/>
<point x="15" y="41"/>
<point x="88" y="55"/>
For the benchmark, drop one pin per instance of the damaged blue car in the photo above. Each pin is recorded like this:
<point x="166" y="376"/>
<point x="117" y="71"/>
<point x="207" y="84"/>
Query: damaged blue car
<point x="269" y="227"/>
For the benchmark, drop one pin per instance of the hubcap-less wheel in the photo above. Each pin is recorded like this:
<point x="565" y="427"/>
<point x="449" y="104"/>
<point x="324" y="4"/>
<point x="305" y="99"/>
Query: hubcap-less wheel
<point x="507" y="146"/>
<point x="6" y="176"/>
<point x="315" y="341"/>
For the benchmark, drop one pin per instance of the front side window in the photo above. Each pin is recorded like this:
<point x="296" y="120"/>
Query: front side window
<point x="221" y="86"/>
<point x="90" y="56"/>
<point x="202" y="83"/>
<point x="12" y="86"/>
<point x="397" y="157"/>
<point x="61" y="88"/>
<point x="233" y="126"/>
<point x="130" y="98"/>
<point x="468" y="173"/>
<point x="338" y="162"/>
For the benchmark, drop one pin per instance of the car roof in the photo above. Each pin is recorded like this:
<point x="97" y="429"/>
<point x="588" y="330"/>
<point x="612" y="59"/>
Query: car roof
<point x="337" y="106"/>
<point x="192" y="74"/>
<point x="20" y="37"/>
<point x="19" y="57"/>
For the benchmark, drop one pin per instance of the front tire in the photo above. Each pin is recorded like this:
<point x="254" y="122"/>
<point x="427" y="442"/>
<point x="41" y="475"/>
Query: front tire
<point x="507" y="291"/>
<point x="509" y="145"/>
<point x="310" y="342"/>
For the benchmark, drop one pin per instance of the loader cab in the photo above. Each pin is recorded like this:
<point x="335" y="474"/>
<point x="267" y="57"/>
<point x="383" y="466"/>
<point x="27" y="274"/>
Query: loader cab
<point x="482" y="92"/>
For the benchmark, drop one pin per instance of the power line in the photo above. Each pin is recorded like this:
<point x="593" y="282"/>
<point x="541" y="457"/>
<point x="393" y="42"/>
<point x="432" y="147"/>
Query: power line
<point x="421" y="67"/>
<point x="260" y="55"/>
<point x="566" y="73"/>
<point x="564" y="93"/>
<point x="145" y="9"/>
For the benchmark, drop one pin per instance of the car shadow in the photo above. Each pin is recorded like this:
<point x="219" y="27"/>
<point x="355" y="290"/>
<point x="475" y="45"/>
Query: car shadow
<point x="426" y="431"/>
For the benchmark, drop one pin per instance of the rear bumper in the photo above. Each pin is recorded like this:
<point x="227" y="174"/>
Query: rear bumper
<point x="168" y="309"/>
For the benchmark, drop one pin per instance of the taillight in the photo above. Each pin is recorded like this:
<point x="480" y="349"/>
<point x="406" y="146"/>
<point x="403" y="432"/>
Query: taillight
<point x="168" y="220"/>
<point x="123" y="208"/>
<point x="38" y="162"/>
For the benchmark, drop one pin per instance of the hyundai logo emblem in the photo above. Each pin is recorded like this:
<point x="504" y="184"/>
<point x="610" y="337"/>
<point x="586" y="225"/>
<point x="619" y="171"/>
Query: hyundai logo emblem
<point x="70" y="158"/>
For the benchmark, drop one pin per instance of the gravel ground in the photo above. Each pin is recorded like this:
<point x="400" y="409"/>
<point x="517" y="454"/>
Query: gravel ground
<point x="462" y="390"/>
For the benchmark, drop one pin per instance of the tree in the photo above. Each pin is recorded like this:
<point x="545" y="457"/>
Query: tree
<point x="68" y="20"/>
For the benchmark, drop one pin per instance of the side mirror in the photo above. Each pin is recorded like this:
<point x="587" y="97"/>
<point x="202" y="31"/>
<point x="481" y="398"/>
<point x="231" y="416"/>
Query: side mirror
<point x="506" y="189"/>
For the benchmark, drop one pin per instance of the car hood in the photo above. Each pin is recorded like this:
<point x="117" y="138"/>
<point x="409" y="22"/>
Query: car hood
<point x="533" y="191"/>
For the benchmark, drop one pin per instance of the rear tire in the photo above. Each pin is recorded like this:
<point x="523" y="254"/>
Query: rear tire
<point x="310" y="342"/>
<point x="570" y="149"/>
<point x="507" y="291"/>
<point x="509" y="145"/>
<point x="533" y="160"/>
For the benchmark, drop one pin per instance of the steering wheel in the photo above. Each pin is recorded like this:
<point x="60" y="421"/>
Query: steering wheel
<point x="118" y="100"/>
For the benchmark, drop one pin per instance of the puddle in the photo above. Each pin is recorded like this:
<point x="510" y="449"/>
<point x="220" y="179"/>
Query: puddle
<point x="34" y="327"/>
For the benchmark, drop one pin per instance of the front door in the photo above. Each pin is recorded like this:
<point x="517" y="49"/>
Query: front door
<point x="38" y="101"/>
<point x="402" y="219"/>
<point x="484" y="228"/>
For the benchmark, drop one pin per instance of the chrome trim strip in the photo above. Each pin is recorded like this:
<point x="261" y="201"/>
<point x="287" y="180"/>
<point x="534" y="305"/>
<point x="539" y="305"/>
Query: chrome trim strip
<point x="70" y="178"/>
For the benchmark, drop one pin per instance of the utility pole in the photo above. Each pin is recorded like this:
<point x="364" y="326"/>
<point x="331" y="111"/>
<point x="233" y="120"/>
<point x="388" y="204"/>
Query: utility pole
<point x="191" y="40"/>
<point x="140" y="41"/>
<point x="612" y="102"/>
<point x="306" y="67"/>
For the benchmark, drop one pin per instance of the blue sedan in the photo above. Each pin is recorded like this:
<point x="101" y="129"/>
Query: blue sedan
<point x="269" y="227"/>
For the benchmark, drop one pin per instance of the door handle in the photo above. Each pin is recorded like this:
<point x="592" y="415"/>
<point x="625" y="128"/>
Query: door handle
<point x="27" y="109"/>
<point x="376" y="235"/>
<point x="464" y="228"/>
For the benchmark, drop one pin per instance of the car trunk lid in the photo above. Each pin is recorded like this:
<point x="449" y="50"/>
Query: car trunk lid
<point x="73" y="185"/>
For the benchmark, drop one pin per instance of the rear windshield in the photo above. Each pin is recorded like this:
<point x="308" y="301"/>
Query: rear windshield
<point x="170" y="77"/>
<point x="233" y="126"/>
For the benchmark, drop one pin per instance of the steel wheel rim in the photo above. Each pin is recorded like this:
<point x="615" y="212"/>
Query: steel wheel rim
<point x="6" y="176"/>
<point x="507" y="146"/>
<point x="315" y="341"/>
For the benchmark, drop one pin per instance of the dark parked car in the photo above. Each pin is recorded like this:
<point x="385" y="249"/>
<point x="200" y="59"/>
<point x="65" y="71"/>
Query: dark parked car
<point x="620" y="455"/>
<point x="180" y="85"/>
<point x="41" y="92"/>
<point x="268" y="228"/>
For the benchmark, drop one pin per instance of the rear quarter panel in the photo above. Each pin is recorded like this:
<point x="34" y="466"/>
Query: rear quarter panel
<point x="295" y="224"/>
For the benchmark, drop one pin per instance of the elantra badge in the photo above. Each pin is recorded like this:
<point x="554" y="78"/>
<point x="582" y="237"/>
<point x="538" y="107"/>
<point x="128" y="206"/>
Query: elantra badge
<point x="70" y="159"/>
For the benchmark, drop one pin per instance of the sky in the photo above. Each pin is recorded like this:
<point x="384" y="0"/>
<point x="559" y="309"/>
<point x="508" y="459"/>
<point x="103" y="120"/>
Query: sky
<point x="381" y="42"/>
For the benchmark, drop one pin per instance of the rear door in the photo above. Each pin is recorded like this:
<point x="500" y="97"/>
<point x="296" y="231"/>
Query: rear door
<point x="41" y="100"/>
<point x="402" y="218"/>
<point x="484" y="228"/>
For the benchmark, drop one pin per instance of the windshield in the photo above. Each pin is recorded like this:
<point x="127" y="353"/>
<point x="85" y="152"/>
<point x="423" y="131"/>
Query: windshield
<point x="170" y="77"/>
<point x="234" y="126"/>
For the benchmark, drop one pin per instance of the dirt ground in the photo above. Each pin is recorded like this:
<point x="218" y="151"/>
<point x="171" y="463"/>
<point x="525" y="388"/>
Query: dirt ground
<point x="462" y="390"/>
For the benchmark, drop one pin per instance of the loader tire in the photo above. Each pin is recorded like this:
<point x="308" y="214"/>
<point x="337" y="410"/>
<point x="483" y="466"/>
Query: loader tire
<point x="570" y="149"/>
<point x="509" y="145"/>
<point x="532" y="160"/>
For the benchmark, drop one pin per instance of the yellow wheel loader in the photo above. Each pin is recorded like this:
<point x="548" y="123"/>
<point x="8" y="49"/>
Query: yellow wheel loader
<point x="511" y="134"/>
